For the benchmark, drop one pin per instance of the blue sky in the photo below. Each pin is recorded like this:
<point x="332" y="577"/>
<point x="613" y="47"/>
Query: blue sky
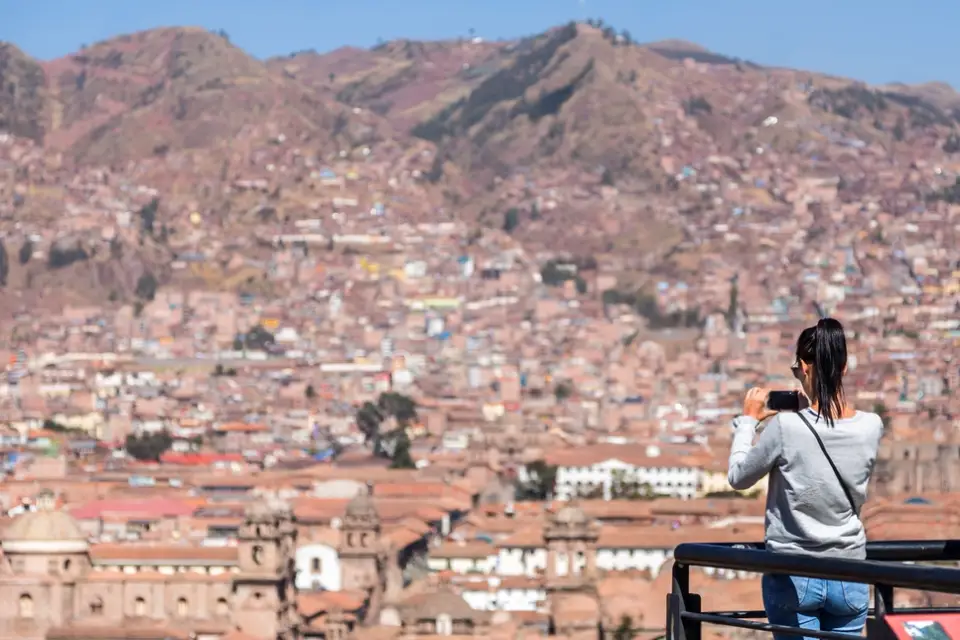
<point x="873" y="40"/>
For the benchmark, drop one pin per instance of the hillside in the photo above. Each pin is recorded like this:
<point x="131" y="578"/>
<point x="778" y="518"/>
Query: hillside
<point x="575" y="141"/>
<point x="153" y="92"/>
<point x="22" y="100"/>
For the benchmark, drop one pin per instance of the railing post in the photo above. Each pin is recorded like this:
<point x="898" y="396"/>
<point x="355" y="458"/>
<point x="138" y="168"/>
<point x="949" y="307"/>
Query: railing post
<point x="677" y="603"/>
<point x="675" y="629"/>
<point x="882" y="600"/>
<point x="691" y="628"/>
<point x="681" y="579"/>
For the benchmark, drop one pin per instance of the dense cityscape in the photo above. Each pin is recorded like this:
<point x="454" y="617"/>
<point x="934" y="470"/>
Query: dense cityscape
<point x="442" y="338"/>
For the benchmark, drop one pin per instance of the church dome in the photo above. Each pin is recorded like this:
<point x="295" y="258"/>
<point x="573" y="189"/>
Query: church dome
<point x="44" y="532"/>
<point x="361" y="506"/>
<point x="570" y="514"/>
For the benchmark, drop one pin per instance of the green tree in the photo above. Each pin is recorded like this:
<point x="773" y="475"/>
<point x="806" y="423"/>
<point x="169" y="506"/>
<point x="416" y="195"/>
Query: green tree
<point x="369" y="420"/>
<point x="511" y="219"/>
<point x="310" y="393"/>
<point x="26" y="251"/>
<point x="734" y="302"/>
<point x="540" y="482"/>
<point x="401" y="458"/>
<point x="623" y="488"/>
<point x="562" y="391"/>
<point x="899" y="130"/>
<point x="625" y="630"/>
<point x="148" y="215"/>
<point x="606" y="178"/>
<point x="148" y="446"/>
<point x="53" y="425"/>
<point x="257" y="339"/>
<point x="4" y="264"/>
<point x="951" y="144"/>
<point x="581" y="285"/>
<point x="401" y="407"/>
<point x="146" y="286"/>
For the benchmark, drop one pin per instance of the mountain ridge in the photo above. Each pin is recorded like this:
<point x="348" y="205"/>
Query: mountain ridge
<point x="575" y="141"/>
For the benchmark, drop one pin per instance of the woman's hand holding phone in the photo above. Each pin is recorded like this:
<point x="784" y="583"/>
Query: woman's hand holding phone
<point x="755" y="404"/>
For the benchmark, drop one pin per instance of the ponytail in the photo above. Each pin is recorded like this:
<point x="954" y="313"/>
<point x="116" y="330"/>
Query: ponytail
<point x="825" y="347"/>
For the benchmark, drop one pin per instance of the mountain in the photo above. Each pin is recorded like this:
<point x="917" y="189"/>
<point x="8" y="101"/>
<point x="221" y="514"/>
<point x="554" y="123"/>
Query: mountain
<point x="153" y="92"/>
<point x="22" y="94"/>
<point x="575" y="141"/>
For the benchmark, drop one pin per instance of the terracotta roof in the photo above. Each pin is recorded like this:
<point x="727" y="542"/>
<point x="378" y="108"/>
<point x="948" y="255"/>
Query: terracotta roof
<point x="126" y="632"/>
<point x="432" y="603"/>
<point x="241" y="427"/>
<point x="530" y="537"/>
<point x="310" y="603"/>
<point x="157" y="507"/>
<point x="162" y="554"/>
<point x="474" y="549"/>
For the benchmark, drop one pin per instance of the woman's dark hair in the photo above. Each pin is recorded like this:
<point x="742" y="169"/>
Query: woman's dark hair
<point x="825" y="347"/>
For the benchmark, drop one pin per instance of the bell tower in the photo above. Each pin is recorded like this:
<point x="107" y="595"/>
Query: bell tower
<point x="571" y="541"/>
<point x="361" y="551"/>
<point x="263" y="591"/>
<point x="360" y="544"/>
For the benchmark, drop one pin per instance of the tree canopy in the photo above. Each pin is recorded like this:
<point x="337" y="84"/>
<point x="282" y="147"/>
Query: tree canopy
<point x="148" y="446"/>
<point x="393" y="444"/>
<point x="540" y="482"/>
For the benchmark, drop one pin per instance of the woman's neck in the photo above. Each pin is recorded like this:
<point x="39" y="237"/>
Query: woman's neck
<point x="846" y="411"/>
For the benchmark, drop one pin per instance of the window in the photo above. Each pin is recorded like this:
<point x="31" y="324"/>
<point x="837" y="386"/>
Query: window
<point x="223" y="609"/>
<point x="26" y="606"/>
<point x="315" y="565"/>
<point x="444" y="625"/>
<point x="96" y="607"/>
<point x="139" y="607"/>
<point x="66" y="566"/>
<point x="182" y="608"/>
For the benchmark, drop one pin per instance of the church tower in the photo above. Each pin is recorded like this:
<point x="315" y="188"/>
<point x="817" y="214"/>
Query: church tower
<point x="361" y="553"/>
<point x="571" y="541"/>
<point x="263" y="591"/>
<point x="571" y="580"/>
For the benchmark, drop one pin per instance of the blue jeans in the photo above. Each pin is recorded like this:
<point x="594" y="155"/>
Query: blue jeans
<point x="813" y="603"/>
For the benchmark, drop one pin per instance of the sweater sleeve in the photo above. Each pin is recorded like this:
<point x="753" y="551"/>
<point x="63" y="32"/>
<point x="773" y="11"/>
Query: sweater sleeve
<point x="749" y="462"/>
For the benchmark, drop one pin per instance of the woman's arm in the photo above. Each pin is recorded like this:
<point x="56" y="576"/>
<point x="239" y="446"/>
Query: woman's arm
<point x="750" y="462"/>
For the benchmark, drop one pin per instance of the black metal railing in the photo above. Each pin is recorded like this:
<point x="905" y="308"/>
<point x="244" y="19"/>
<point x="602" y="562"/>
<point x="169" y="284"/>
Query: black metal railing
<point x="885" y="569"/>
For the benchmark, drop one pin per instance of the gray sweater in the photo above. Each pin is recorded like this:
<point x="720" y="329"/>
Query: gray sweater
<point x="807" y="511"/>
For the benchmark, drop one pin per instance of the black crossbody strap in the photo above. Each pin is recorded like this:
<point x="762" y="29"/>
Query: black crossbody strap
<point x="843" y="485"/>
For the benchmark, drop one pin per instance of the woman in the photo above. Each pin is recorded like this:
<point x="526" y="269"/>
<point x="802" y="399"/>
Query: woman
<point x="815" y="492"/>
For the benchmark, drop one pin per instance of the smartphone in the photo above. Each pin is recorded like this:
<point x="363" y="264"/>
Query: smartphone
<point x="784" y="401"/>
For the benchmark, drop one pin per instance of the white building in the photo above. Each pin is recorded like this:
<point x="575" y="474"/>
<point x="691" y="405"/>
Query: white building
<point x="604" y="468"/>
<point x="318" y="568"/>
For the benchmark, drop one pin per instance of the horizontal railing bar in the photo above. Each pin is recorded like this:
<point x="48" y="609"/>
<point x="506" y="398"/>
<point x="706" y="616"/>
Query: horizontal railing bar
<point x="739" y="614"/>
<point x="766" y="626"/>
<point x="760" y="613"/>
<point x="927" y="578"/>
<point x="923" y="610"/>
<point x="913" y="550"/>
<point x="891" y="550"/>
